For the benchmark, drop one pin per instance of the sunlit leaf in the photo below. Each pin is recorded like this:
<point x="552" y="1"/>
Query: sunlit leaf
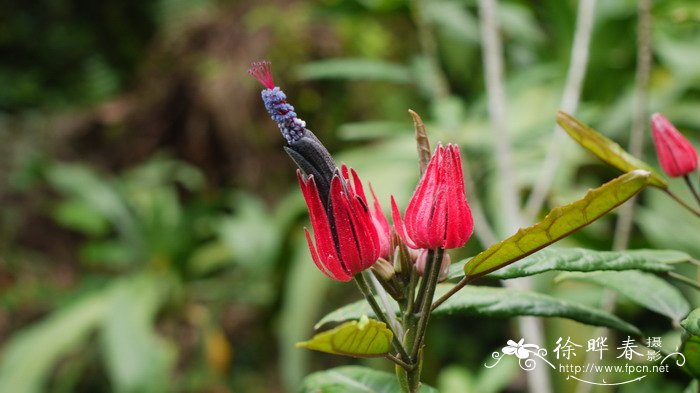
<point x="354" y="379"/>
<point x="363" y="338"/>
<point x="498" y="303"/>
<point x="605" y="149"/>
<point x="644" y="289"/>
<point x="582" y="260"/>
<point x="560" y="222"/>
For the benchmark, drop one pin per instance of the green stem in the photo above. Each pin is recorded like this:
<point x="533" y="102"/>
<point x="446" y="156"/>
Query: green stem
<point x="692" y="189"/>
<point x="364" y="288"/>
<point x="684" y="280"/>
<point x="461" y="284"/>
<point x="413" y="277"/>
<point x="427" y="300"/>
<point x="680" y="201"/>
<point x="404" y="365"/>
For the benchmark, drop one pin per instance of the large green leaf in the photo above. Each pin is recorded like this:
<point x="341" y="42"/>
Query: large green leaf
<point x="560" y="222"/>
<point x="690" y="346"/>
<point x="355" y="69"/>
<point x="136" y="358"/>
<point x="29" y="356"/>
<point x="582" y="260"/>
<point x="691" y="323"/>
<point x="364" y="338"/>
<point x="354" y="379"/>
<point x="501" y="303"/>
<point x="610" y="152"/>
<point x="644" y="289"/>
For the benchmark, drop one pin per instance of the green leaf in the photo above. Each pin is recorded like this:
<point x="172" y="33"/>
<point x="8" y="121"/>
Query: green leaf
<point x="582" y="260"/>
<point x="364" y="338"/>
<point x="690" y="348"/>
<point x="559" y="223"/>
<point x="29" y="356"/>
<point x="610" y="152"/>
<point x="80" y="216"/>
<point x="691" y="323"/>
<point x="499" y="303"/>
<point x="354" y="379"/>
<point x="644" y="289"/>
<point x="137" y="359"/>
<point x="355" y="69"/>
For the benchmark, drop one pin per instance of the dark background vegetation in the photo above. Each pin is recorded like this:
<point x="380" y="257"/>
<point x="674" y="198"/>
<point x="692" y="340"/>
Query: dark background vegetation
<point x="151" y="233"/>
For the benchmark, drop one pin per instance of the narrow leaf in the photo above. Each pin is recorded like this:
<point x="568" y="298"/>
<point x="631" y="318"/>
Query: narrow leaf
<point x="137" y="359"/>
<point x="499" y="303"/>
<point x="559" y="223"/>
<point x="610" y="152"/>
<point x="30" y="355"/>
<point x="582" y="260"/>
<point x="422" y="142"/>
<point x="364" y="338"/>
<point x="644" y="289"/>
<point x="354" y="379"/>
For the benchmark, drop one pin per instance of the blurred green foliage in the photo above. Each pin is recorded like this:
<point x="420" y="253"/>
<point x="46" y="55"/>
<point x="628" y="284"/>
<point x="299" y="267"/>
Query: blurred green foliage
<point x="154" y="275"/>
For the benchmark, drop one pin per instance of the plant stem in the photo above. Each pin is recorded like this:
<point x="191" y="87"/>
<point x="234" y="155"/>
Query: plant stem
<point x="424" y="281"/>
<point x="578" y="63"/>
<point x="427" y="301"/>
<point x="404" y="365"/>
<point x="683" y="279"/>
<point x="623" y="227"/>
<point x="413" y="277"/>
<point x="692" y="189"/>
<point x="364" y="288"/>
<point x="680" y="201"/>
<point x="461" y="284"/>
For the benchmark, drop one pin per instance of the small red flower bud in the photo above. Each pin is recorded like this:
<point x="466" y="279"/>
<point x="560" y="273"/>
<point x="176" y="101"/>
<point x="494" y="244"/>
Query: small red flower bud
<point x="438" y="215"/>
<point x="423" y="259"/>
<point x="347" y="234"/>
<point x="676" y="154"/>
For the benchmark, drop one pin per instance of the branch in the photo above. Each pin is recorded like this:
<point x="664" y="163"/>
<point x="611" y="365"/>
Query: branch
<point x="569" y="103"/>
<point x="623" y="228"/>
<point x="493" y="69"/>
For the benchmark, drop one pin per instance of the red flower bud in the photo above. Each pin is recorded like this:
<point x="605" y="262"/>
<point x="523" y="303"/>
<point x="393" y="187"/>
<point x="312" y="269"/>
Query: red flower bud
<point x="347" y="235"/>
<point x="676" y="154"/>
<point x="422" y="260"/>
<point x="438" y="214"/>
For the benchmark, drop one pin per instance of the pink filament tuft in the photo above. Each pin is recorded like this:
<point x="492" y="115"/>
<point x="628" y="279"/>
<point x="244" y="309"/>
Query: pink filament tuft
<point x="261" y="71"/>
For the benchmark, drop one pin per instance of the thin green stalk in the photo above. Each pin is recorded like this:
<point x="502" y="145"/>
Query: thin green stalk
<point x="692" y="189"/>
<point x="461" y="284"/>
<point x="427" y="301"/>
<point x="684" y="280"/>
<point x="413" y="277"/>
<point x="367" y="293"/>
<point x="424" y="280"/>
<point x="404" y="365"/>
<point x="680" y="201"/>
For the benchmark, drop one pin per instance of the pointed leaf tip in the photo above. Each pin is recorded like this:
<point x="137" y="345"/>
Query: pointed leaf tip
<point x="422" y="141"/>
<point x="605" y="149"/>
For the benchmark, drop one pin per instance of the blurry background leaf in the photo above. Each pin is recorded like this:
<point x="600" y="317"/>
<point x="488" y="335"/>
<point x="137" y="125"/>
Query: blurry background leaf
<point x="137" y="359"/>
<point x="29" y="357"/>
<point x="355" y="69"/>
<point x="353" y="379"/>
<point x="644" y="289"/>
